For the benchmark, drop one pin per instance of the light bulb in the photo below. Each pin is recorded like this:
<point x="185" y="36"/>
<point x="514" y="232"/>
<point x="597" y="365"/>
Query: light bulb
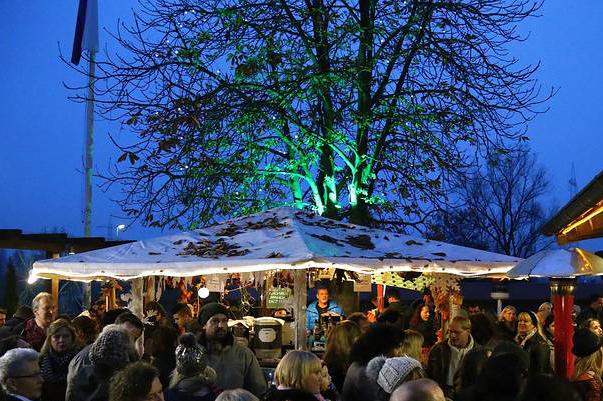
<point x="32" y="279"/>
<point x="203" y="292"/>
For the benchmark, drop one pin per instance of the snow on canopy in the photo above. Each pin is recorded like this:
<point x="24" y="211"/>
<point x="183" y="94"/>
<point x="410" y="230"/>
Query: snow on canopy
<point x="281" y="238"/>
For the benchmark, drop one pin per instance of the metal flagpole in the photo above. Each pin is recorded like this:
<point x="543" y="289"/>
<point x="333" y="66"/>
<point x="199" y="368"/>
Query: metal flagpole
<point x="89" y="141"/>
<point x="86" y="38"/>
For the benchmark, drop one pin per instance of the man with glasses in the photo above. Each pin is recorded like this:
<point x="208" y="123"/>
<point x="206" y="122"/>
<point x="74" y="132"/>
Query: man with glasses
<point x="20" y="375"/>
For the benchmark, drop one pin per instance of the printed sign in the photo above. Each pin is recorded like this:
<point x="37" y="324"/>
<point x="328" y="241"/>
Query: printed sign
<point x="364" y="284"/>
<point x="215" y="284"/>
<point x="278" y="297"/>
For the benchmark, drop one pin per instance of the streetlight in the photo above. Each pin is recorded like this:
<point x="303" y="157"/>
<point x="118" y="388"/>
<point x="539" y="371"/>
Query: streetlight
<point x="120" y="227"/>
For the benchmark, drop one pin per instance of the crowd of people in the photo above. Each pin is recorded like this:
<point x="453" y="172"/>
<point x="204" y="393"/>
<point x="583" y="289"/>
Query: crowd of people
<point x="408" y="352"/>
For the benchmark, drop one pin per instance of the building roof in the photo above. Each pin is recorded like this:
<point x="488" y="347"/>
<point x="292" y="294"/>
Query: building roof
<point x="56" y="243"/>
<point x="580" y="218"/>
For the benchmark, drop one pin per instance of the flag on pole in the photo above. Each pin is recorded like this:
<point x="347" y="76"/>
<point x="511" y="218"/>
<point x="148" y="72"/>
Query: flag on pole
<point x="86" y="30"/>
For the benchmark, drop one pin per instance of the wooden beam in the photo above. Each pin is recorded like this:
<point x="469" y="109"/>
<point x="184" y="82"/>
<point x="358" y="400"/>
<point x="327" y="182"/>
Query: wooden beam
<point x="300" y="297"/>
<point x="55" y="294"/>
<point x="137" y="297"/>
<point x="55" y="288"/>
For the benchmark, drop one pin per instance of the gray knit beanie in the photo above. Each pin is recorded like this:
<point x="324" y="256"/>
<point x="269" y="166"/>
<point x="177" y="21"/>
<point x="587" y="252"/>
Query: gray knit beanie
<point x="389" y="373"/>
<point x="111" y="347"/>
<point x="190" y="356"/>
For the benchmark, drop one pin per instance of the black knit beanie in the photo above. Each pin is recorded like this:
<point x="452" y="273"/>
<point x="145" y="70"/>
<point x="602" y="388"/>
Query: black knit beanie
<point x="209" y="310"/>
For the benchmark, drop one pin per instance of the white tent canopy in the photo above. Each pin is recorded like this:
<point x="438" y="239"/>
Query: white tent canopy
<point x="281" y="238"/>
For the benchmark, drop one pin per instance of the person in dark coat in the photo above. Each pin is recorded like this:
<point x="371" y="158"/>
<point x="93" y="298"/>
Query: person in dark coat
<point x="58" y="350"/>
<point x="593" y="310"/>
<point x="529" y="337"/>
<point x="446" y="357"/>
<point x="379" y="339"/>
<point x="507" y="324"/>
<point x="501" y="379"/>
<point x="192" y="379"/>
<point x="422" y="321"/>
<point x="136" y="382"/>
<point x="34" y="329"/>
<point x="395" y="303"/>
<point x="112" y="350"/>
<point x="164" y="341"/>
<point x="588" y="365"/>
<point x="21" y="315"/>
<point x="81" y="366"/>
<point x="339" y="347"/>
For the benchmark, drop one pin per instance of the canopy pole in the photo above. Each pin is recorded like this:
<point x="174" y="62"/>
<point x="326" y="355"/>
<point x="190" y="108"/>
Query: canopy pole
<point x="562" y="290"/>
<point x="55" y="285"/>
<point x="380" y="297"/>
<point x="55" y="294"/>
<point x="300" y="298"/>
<point x="137" y="297"/>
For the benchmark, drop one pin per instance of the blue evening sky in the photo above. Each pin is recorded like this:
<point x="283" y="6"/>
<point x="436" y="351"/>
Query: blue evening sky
<point x="41" y="131"/>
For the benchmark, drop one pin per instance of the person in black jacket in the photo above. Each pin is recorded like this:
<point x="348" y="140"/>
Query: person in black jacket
<point x="507" y="324"/>
<point x="422" y="321"/>
<point x="395" y="303"/>
<point x="529" y="337"/>
<point x="380" y="339"/>
<point x="21" y="315"/>
<point x="138" y="381"/>
<point x="592" y="311"/>
<point x="58" y="350"/>
<point x="192" y="379"/>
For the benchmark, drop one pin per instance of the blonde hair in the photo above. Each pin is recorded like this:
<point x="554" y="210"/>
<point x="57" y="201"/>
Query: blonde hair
<point x="412" y="345"/>
<point x="295" y="368"/>
<point x="54" y="327"/>
<point x="463" y="321"/>
<point x="593" y="363"/>
<point x="511" y="307"/>
<point x="538" y="325"/>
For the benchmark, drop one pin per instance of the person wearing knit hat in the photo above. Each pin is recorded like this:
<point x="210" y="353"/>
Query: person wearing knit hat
<point x="390" y="373"/>
<point x="192" y="379"/>
<point x="236" y="366"/>
<point x="530" y="338"/>
<point x="588" y="365"/>
<point x="81" y="367"/>
<point x="209" y="310"/>
<point x="112" y="350"/>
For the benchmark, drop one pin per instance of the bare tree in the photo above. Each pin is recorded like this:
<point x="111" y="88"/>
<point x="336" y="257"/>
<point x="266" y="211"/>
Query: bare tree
<point x="501" y="209"/>
<point x="361" y="110"/>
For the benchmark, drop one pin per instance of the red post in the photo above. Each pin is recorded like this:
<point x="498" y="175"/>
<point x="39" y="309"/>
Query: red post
<point x="562" y="290"/>
<point x="380" y="297"/>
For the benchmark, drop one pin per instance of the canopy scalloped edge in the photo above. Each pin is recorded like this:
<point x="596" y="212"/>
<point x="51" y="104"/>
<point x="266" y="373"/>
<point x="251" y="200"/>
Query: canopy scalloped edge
<point x="57" y="269"/>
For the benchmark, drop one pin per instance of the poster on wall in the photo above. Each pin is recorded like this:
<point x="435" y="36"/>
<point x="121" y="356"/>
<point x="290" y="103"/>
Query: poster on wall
<point x="363" y="284"/>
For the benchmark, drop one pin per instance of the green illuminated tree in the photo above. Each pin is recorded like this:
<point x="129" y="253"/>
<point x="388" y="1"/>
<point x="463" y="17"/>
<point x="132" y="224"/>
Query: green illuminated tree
<point x="361" y="110"/>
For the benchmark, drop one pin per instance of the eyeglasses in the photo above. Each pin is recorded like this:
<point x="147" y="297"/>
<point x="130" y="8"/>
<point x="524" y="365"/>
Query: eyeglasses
<point x="38" y="374"/>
